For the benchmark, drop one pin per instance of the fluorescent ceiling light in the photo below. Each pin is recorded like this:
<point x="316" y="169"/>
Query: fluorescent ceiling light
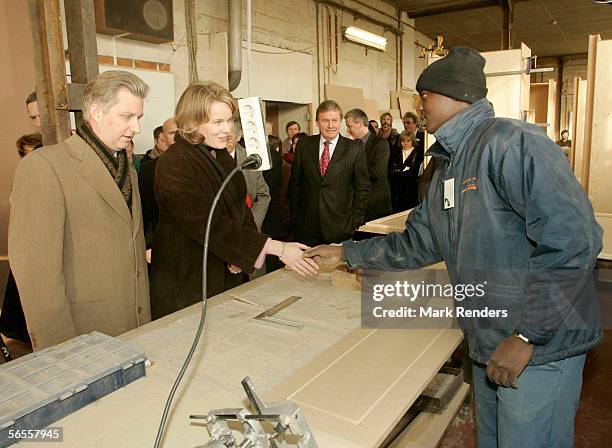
<point x="365" y="38"/>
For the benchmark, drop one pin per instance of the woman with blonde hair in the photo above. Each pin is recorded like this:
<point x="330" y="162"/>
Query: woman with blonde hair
<point x="405" y="167"/>
<point x="187" y="179"/>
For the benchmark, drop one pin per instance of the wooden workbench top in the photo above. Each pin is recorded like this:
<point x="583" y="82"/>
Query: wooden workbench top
<point x="233" y="346"/>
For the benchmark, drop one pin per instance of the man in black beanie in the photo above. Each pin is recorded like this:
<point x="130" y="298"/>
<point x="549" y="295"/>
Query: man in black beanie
<point x="508" y="217"/>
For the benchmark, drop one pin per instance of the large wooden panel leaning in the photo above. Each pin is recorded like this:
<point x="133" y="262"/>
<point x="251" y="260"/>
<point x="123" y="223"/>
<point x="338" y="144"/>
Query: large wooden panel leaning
<point x="605" y="221"/>
<point x="509" y="93"/>
<point x="551" y="129"/>
<point x="580" y="88"/>
<point x="538" y="102"/>
<point x="234" y="345"/>
<point x="542" y="104"/>
<point x="347" y="97"/>
<point x="600" y="181"/>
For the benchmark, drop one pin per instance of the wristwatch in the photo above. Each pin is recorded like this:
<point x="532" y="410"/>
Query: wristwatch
<point x="520" y="336"/>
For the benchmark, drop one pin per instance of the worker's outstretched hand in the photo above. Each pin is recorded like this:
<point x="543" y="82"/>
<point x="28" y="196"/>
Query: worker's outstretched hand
<point x="325" y="255"/>
<point x="292" y="255"/>
<point x="508" y="361"/>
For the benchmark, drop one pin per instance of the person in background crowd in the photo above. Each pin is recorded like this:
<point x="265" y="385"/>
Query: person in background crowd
<point x="12" y="319"/>
<point x="329" y="186"/>
<point x="387" y="132"/>
<point x="76" y="244"/>
<point x="410" y="121"/>
<point x="159" y="146"/>
<point x="187" y="179"/>
<point x="292" y="128"/>
<point x="405" y="166"/>
<point x="146" y="183"/>
<point x="28" y="143"/>
<point x="373" y="125"/>
<point x="32" y="110"/>
<point x="134" y="160"/>
<point x="276" y="223"/>
<point x="377" y="155"/>
<point x="258" y="193"/>
<point x="169" y="130"/>
<point x="565" y="143"/>
<point x="287" y="164"/>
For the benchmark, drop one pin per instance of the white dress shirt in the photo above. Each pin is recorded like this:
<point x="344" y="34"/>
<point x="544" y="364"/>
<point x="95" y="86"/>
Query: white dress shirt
<point x="332" y="146"/>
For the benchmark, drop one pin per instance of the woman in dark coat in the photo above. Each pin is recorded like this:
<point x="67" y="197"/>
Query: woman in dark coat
<point x="404" y="171"/>
<point x="186" y="181"/>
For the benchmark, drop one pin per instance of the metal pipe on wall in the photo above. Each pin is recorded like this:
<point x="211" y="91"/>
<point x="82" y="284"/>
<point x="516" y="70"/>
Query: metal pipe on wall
<point x="319" y="52"/>
<point x="234" y="43"/>
<point x="249" y="43"/>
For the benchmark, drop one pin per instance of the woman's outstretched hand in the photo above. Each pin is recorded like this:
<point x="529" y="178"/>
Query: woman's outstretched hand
<point x="292" y="254"/>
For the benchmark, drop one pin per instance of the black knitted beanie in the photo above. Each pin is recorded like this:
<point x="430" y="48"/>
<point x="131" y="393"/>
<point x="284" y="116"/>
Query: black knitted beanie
<point x="459" y="75"/>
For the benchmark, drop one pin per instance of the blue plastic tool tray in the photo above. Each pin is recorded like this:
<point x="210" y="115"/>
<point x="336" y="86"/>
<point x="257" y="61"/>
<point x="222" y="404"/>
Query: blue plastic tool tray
<point x="44" y="386"/>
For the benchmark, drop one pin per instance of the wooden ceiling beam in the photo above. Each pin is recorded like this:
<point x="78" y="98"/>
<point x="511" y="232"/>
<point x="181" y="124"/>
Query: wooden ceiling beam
<point x="448" y="7"/>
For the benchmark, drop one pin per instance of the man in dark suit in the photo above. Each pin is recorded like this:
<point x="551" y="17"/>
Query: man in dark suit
<point x="146" y="183"/>
<point x="329" y="186"/>
<point x="377" y="156"/>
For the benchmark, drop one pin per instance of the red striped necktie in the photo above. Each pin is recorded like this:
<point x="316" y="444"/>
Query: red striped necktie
<point x="324" y="161"/>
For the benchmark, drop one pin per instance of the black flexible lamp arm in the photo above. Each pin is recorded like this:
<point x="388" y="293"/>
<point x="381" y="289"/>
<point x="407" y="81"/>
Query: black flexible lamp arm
<point x="162" y="423"/>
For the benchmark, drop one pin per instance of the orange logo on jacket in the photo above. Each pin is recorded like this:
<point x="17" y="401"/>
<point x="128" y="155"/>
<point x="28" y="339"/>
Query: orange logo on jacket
<point x="469" y="184"/>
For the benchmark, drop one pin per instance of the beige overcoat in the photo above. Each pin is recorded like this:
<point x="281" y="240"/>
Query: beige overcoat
<point x="76" y="252"/>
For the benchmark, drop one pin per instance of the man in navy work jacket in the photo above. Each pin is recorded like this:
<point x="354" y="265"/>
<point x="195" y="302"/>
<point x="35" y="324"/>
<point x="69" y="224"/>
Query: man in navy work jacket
<point x="503" y="209"/>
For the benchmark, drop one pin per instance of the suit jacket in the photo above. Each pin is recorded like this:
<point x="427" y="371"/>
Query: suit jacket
<point x="76" y="251"/>
<point x="257" y="189"/>
<point x="187" y="178"/>
<point x="328" y="209"/>
<point x="276" y="223"/>
<point x="404" y="179"/>
<point x="377" y="155"/>
<point x="146" y="178"/>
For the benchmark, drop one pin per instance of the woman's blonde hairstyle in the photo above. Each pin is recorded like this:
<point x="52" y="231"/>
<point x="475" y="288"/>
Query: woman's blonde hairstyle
<point x="194" y="106"/>
<point x="103" y="89"/>
<point x="407" y="135"/>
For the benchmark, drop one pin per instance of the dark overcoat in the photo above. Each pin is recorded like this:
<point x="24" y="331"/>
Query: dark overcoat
<point x="186" y="181"/>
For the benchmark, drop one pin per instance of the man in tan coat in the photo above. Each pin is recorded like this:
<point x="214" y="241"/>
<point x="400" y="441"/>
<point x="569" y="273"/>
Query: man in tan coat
<point x="76" y="243"/>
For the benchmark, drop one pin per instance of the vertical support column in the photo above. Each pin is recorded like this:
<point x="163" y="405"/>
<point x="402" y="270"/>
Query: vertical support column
<point x="559" y="95"/>
<point x="574" y="122"/>
<point x="588" y="120"/>
<point x="80" y="29"/>
<point x="508" y="24"/>
<point x="50" y="68"/>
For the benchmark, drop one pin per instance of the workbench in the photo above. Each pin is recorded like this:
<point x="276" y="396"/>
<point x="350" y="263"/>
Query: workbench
<point x="390" y="368"/>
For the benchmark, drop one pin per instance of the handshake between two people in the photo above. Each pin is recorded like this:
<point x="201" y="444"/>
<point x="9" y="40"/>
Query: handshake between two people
<point x="306" y="260"/>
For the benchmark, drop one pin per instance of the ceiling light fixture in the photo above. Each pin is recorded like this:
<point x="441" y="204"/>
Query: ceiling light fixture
<point x="364" y="37"/>
<point x="603" y="2"/>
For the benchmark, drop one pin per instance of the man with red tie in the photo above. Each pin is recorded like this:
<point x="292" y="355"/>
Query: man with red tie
<point x="329" y="186"/>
